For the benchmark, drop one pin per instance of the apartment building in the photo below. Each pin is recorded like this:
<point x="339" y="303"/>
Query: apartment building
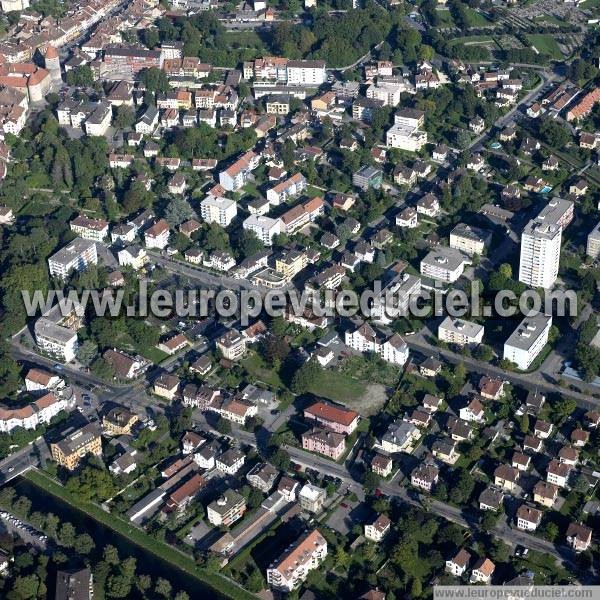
<point x="264" y="227"/>
<point x="158" y="235"/>
<point x="444" y="264"/>
<point x="227" y="509"/>
<point x="540" y="244"/>
<point x="236" y="175"/>
<point x="337" y="418"/>
<point x="367" y="177"/>
<point x="311" y="498"/>
<point x="470" y="240"/>
<point x="232" y="344"/>
<point x="593" y="242"/>
<point x="460" y="332"/>
<point x="75" y="256"/>
<point x="301" y="214"/>
<point x="132" y="59"/>
<point x="527" y="340"/>
<point x="75" y="584"/>
<point x="306" y="72"/>
<point x="366" y="339"/>
<point x="56" y="330"/>
<point x="287" y="189"/>
<point x="36" y="413"/>
<point x="289" y="263"/>
<point x="69" y="450"/>
<point x="90" y="229"/>
<point x="287" y="573"/>
<point x="119" y="421"/>
<point x="218" y="210"/>
<point x="324" y="441"/>
<point x="99" y="120"/>
<point x="405" y="133"/>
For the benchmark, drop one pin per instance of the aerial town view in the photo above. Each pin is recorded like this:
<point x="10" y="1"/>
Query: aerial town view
<point x="299" y="299"/>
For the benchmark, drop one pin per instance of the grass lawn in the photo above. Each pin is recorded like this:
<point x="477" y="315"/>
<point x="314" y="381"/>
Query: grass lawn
<point x="136" y="536"/>
<point x="153" y="354"/>
<point x="313" y="192"/>
<point x="337" y="387"/>
<point x="445" y="18"/>
<point x="545" y="44"/>
<point x="475" y="18"/>
<point x="260" y="371"/>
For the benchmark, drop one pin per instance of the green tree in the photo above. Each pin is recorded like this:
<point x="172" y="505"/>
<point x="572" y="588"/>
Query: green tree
<point x="81" y="76"/>
<point x="124" y="117"/>
<point x="154" y="80"/>
<point x="223" y="426"/>
<point x="163" y="588"/>
<point x="87" y="352"/>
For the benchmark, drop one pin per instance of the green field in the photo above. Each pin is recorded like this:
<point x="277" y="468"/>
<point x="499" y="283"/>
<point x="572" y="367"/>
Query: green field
<point x="445" y="18"/>
<point x="337" y="387"/>
<point x="545" y="44"/>
<point x="260" y="371"/>
<point x="475" y="18"/>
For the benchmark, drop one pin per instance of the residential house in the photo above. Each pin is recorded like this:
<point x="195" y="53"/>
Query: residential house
<point x="506" y="477"/>
<point x="378" y="529"/>
<point x="425" y="476"/>
<point x="458" y="565"/>
<point x="528" y="518"/>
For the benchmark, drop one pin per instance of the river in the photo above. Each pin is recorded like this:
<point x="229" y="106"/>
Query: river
<point x="147" y="563"/>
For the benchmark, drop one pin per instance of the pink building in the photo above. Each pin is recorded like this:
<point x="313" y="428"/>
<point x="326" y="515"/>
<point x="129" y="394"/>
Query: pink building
<point x="336" y="418"/>
<point x="324" y="442"/>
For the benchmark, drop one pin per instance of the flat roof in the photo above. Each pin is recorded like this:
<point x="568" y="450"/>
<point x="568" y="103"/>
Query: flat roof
<point x="528" y="331"/>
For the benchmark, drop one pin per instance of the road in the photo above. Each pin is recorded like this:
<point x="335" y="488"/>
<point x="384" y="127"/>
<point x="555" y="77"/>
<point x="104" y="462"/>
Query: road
<point x="465" y="518"/>
<point x="24" y="459"/>
<point x="530" y="381"/>
<point x="206" y="279"/>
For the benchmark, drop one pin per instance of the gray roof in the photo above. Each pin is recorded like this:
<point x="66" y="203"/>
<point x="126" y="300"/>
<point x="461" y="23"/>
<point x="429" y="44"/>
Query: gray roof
<point x="466" y="328"/>
<point x="528" y="331"/>
<point x="449" y="258"/>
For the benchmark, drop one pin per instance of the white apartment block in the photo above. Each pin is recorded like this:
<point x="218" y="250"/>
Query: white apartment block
<point x="444" y="264"/>
<point x="460" y="332"/>
<point x="303" y="556"/>
<point x="287" y="189"/>
<point x="306" y="72"/>
<point x="540" y="254"/>
<point x="527" y="340"/>
<point x="540" y="244"/>
<point x="470" y="240"/>
<point x="593" y="242"/>
<point x="388" y="92"/>
<point x="365" y="339"/>
<point x="99" y="121"/>
<point x="31" y="416"/>
<point x="75" y="256"/>
<point x="90" y="229"/>
<point x="265" y="228"/>
<point x="236" y="175"/>
<point x="56" y="330"/>
<point x="218" y="210"/>
<point x="405" y="138"/>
